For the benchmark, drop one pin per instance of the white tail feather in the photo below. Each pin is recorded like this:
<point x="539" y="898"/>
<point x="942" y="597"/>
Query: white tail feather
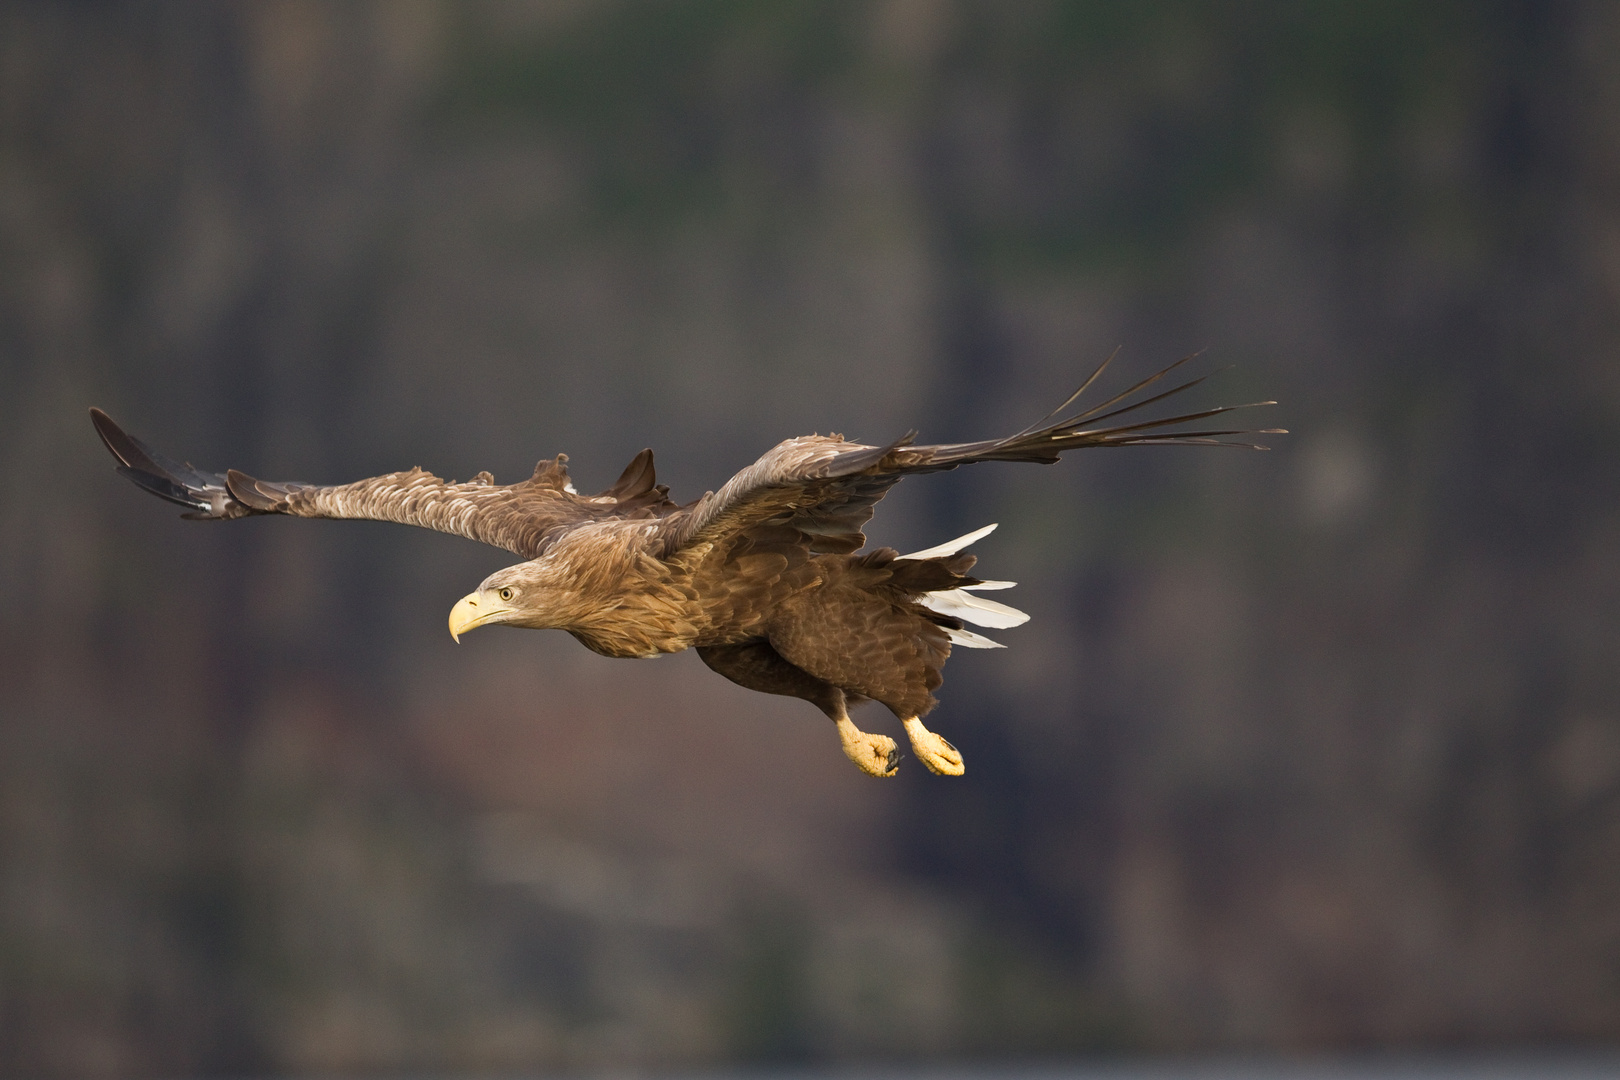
<point x="951" y="547"/>
<point x="969" y="640"/>
<point x="973" y="609"/>
<point x="961" y="604"/>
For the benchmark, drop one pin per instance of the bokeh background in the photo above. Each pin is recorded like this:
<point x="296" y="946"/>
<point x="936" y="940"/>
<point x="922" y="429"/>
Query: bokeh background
<point x="1308" y="751"/>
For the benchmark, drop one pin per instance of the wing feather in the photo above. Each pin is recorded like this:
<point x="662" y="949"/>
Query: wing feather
<point x="816" y="491"/>
<point x="523" y="518"/>
<point x="826" y="488"/>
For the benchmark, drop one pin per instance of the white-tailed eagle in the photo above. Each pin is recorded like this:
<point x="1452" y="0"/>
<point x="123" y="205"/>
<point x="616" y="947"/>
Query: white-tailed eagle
<point x="764" y="577"/>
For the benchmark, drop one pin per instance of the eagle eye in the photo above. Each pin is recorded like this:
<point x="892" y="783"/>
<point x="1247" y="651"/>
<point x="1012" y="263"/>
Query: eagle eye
<point x="506" y="593"/>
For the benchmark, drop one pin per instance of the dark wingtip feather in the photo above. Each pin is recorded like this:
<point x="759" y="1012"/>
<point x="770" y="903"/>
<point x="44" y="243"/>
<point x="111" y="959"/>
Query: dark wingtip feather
<point x="117" y="441"/>
<point x="1097" y="426"/>
<point x="163" y="487"/>
<point x="1091" y="413"/>
<point x="105" y="428"/>
<point x="1070" y="400"/>
<point x="143" y="467"/>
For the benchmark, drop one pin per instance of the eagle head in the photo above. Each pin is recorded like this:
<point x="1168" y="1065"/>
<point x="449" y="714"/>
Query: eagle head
<point x="515" y="596"/>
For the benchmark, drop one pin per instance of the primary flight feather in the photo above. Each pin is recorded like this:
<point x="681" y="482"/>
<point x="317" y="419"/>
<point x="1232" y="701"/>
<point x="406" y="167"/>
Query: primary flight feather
<point x="764" y="577"/>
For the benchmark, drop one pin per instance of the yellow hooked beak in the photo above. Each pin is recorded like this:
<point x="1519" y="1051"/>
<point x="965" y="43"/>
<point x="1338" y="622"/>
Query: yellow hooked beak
<point x="474" y="610"/>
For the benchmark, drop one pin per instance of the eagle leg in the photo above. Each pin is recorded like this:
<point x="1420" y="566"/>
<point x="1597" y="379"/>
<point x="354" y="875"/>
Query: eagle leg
<point x="875" y="755"/>
<point x="940" y="756"/>
<point x="758" y="666"/>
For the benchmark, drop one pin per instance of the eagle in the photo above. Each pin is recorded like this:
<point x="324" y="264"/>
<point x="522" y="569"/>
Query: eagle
<point x="766" y="577"/>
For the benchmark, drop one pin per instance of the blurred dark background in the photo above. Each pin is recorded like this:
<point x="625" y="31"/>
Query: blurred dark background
<point x="1311" y="751"/>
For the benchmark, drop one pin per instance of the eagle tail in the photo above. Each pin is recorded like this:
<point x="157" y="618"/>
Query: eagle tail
<point x="951" y="547"/>
<point x="957" y="602"/>
<point x="969" y="640"/>
<point x="961" y="604"/>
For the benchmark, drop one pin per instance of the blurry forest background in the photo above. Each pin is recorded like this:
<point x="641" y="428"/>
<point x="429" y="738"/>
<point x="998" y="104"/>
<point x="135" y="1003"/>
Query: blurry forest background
<point x="1310" y="750"/>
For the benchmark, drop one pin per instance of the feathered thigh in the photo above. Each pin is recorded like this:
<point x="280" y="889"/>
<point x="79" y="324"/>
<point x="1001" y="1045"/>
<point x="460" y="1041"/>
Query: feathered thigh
<point x="864" y="643"/>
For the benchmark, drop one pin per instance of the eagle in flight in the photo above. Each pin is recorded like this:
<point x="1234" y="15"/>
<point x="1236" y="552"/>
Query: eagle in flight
<point x="765" y="577"/>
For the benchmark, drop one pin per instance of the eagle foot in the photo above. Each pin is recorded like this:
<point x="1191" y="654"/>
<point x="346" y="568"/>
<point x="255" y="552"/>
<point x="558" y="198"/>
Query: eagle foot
<point x="938" y="755"/>
<point x="875" y="755"/>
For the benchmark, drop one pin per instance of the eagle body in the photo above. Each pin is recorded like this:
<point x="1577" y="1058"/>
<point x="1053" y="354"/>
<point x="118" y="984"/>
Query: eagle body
<point x="765" y="577"/>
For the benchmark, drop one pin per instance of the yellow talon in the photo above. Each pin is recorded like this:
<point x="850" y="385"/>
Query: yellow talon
<point x="938" y="755"/>
<point x="875" y="755"/>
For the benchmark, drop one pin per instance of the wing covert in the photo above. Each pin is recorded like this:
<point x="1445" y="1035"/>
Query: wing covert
<point x="815" y="485"/>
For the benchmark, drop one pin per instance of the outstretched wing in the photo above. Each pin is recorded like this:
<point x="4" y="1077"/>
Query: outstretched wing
<point x="523" y="518"/>
<point x="825" y="488"/>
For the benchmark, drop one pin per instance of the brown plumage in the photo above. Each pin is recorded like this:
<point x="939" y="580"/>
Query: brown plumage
<point x="762" y="577"/>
